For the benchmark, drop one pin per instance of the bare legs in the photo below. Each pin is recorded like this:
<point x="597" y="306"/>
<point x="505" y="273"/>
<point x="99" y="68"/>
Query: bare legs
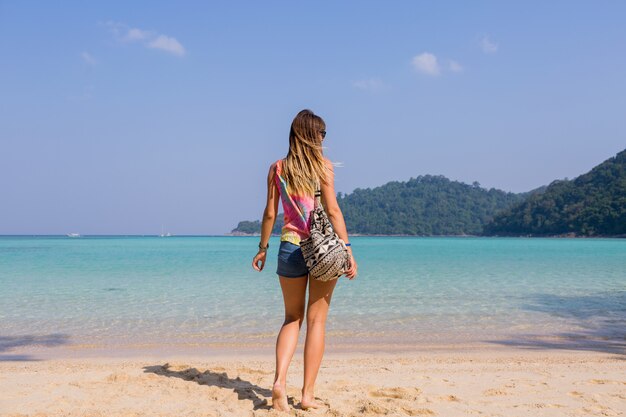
<point x="294" y="294"/>
<point x="320" y="294"/>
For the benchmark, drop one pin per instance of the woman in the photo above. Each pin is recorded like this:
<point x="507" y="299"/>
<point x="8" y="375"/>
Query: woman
<point x="294" y="179"/>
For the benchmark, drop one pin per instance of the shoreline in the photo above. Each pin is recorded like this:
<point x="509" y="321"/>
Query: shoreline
<point x="561" y="236"/>
<point x="34" y="351"/>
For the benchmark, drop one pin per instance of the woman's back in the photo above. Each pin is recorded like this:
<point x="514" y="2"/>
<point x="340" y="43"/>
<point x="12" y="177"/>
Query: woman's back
<point x="297" y="210"/>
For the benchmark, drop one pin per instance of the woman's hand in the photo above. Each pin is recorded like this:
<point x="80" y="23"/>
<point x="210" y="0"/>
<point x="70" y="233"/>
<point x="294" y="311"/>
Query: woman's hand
<point x="351" y="272"/>
<point x="260" y="257"/>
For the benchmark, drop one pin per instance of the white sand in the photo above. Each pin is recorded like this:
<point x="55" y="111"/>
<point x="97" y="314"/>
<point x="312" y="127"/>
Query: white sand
<point x="501" y="382"/>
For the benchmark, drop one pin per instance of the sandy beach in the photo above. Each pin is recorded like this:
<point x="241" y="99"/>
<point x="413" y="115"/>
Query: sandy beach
<point x="433" y="327"/>
<point x="487" y="382"/>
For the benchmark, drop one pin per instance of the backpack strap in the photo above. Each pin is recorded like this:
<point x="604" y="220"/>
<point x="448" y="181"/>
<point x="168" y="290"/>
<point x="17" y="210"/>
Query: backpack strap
<point x="318" y="194"/>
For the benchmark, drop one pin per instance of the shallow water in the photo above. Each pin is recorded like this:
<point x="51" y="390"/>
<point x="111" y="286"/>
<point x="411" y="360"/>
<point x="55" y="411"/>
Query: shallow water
<point x="194" y="291"/>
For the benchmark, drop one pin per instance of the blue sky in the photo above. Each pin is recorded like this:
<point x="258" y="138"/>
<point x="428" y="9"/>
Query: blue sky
<point x="123" y="117"/>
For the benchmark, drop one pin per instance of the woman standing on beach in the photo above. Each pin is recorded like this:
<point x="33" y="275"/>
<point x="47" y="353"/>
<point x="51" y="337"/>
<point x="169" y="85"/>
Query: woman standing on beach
<point x="293" y="179"/>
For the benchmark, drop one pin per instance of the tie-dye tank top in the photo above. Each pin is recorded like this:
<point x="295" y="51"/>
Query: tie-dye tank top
<point x="297" y="210"/>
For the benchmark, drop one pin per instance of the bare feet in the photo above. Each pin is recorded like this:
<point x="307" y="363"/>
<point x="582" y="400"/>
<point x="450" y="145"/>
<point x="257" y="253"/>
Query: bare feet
<point x="308" y="401"/>
<point x="279" y="398"/>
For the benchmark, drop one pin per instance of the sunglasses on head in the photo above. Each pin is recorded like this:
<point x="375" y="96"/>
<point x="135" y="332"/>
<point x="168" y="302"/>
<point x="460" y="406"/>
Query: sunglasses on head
<point x="323" y="132"/>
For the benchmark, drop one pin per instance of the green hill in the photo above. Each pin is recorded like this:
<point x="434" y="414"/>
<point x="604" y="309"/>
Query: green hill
<point x="592" y="204"/>
<point x="247" y="227"/>
<point x="426" y="205"/>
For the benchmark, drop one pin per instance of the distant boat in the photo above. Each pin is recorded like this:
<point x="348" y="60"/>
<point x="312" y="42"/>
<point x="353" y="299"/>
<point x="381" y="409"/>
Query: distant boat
<point x="73" y="235"/>
<point x="168" y="234"/>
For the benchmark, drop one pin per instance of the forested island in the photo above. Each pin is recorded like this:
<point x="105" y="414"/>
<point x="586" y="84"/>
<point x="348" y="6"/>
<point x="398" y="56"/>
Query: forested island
<point x="592" y="204"/>
<point x="425" y="206"/>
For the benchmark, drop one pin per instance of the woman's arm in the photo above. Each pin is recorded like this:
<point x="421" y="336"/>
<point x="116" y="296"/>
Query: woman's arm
<point x="269" y="218"/>
<point x="333" y="211"/>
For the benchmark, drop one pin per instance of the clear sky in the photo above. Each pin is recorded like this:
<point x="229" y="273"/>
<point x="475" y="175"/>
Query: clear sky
<point x="126" y="117"/>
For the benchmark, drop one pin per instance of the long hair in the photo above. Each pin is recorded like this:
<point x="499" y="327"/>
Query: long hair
<point x="304" y="164"/>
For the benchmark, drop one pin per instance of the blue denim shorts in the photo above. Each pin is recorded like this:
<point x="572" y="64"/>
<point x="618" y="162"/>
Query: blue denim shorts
<point x="290" y="261"/>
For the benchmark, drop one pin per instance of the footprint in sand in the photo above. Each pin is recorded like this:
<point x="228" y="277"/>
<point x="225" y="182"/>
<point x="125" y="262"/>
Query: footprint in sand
<point x="372" y="407"/>
<point x="575" y="394"/>
<point x="396" y="393"/>
<point x="606" y="381"/>
<point x="545" y="405"/>
<point x="418" y="411"/>
<point x="599" y="381"/>
<point x="600" y="410"/>
<point x="452" y="398"/>
<point x="495" y="392"/>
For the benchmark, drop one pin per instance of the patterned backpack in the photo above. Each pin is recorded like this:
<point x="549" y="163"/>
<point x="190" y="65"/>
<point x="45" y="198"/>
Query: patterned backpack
<point x="325" y="254"/>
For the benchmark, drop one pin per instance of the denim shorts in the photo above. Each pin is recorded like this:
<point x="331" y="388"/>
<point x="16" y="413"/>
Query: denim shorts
<point x="290" y="261"/>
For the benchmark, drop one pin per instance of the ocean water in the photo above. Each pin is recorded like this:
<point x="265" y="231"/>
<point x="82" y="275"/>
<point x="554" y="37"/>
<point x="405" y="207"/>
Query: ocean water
<point x="138" y="292"/>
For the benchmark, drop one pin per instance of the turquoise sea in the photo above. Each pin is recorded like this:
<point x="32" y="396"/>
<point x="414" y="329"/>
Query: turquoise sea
<point x="119" y="293"/>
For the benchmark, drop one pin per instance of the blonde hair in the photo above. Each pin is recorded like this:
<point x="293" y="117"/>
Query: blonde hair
<point x="304" y="165"/>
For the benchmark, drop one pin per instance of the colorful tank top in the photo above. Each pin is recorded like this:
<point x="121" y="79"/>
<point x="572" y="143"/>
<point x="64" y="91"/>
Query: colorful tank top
<point x="297" y="210"/>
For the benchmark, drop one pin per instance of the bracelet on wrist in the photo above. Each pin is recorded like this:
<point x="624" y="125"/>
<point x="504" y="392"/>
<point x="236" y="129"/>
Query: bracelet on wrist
<point x="263" y="248"/>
